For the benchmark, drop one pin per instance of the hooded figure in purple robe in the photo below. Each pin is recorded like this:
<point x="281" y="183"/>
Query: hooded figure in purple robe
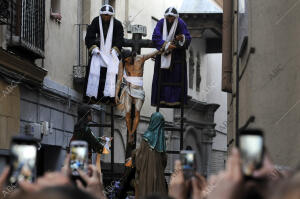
<point x="173" y="38"/>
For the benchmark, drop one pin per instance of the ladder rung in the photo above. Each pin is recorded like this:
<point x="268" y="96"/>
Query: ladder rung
<point x="173" y="152"/>
<point x="173" y="129"/>
<point x="170" y="84"/>
<point x="99" y="125"/>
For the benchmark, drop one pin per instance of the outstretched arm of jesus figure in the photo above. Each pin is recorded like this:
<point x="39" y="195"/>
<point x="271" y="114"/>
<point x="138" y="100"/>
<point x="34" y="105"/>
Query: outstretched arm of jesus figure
<point x="119" y="81"/>
<point x="150" y="55"/>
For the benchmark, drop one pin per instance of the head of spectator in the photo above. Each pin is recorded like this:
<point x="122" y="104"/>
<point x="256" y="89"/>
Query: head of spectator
<point x="58" y="192"/>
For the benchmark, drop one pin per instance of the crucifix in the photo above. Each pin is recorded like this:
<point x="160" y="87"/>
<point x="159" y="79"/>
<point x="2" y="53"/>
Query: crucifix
<point x="136" y="43"/>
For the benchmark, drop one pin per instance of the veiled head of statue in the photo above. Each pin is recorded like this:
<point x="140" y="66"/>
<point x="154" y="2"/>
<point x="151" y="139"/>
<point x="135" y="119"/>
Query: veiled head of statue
<point x="156" y="119"/>
<point x="155" y="134"/>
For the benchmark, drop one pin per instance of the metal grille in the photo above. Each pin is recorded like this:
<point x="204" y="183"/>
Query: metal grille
<point x="79" y="70"/>
<point x="4" y="12"/>
<point x="27" y="27"/>
<point x="79" y="73"/>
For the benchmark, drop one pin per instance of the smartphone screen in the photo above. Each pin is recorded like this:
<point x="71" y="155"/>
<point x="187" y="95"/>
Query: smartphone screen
<point x="187" y="158"/>
<point x="79" y="157"/>
<point x="251" y="148"/>
<point x="23" y="162"/>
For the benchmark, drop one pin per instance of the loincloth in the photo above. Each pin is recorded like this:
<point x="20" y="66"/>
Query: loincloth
<point x="136" y="92"/>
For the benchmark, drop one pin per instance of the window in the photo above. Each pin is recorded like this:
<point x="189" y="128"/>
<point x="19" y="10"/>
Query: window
<point x="55" y="6"/>
<point x="242" y="26"/>
<point x="55" y="11"/>
<point x="4" y="12"/>
<point x="242" y="6"/>
<point x="27" y="28"/>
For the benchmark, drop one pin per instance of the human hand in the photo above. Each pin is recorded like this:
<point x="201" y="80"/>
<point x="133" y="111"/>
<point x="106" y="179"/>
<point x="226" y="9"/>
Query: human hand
<point x="50" y="179"/>
<point x="117" y="99"/>
<point x="198" y="187"/>
<point x="66" y="167"/>
<point x="96" y="51"/>
<point x="3" y="178"/>
<point x="230" y="186"/>
<point x="212" y="182"/>
<point x="177" y="187"/>
<point x="179" y="37"/>
<point x="131" y="137"/>
<point x="114" y="52"/>
<point x="171" y="47"/>
<point x="94" y="183"/>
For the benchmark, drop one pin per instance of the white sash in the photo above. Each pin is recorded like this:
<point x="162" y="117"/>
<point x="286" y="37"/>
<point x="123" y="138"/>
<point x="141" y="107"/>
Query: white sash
<point x="94" y="76"/>
<point x="166" y="60"/>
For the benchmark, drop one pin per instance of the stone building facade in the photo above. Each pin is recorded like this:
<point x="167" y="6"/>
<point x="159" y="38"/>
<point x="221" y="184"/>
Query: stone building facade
<point x="38" y="88"/>
<point x="264" y="57"/>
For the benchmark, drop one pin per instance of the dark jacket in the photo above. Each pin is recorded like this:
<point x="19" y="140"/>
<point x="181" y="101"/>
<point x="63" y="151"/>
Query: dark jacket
<point x="93" y="34"/>
<point x="83" y="132"/>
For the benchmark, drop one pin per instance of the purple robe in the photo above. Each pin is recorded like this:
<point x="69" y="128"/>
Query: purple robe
<point x="170" y="96"/>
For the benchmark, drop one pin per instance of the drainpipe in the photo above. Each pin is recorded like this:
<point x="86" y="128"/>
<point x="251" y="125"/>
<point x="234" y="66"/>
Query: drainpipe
<point x="237" y="76"/>
<point x="227" y="47"/>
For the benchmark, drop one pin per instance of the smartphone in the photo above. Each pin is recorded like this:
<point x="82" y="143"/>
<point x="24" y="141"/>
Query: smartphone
<point x="22" y="160"/>
<point x="187" y="158"/>
<point x="251" y="145"/>
<point x="79" y="156"/>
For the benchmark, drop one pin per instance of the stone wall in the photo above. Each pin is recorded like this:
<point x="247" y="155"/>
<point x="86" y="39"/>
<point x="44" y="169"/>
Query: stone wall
<point x="269" y="85"/>
<point x="9" y="112"/>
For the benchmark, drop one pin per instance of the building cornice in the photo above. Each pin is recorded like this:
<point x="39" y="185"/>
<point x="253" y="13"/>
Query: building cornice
<point x="21" y="66"/>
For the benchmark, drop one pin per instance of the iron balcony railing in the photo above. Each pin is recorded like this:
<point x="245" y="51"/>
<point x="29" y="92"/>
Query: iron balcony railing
<point x="79" y="70"/>
<point x="27" y="35"/>
<point x="4" y="12"/>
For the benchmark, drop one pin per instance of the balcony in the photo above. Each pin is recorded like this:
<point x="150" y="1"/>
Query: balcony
<point x="79" y="70"/>
<point x="26" y="30"/>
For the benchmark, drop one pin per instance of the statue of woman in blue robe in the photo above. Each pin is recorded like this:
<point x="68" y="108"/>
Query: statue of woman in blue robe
<point x="151" y="159"/>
